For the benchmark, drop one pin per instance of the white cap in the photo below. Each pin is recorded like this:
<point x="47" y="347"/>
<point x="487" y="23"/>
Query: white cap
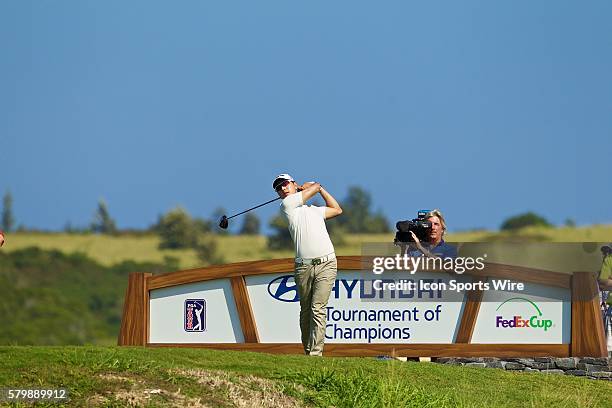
<point x="280" y="178"/>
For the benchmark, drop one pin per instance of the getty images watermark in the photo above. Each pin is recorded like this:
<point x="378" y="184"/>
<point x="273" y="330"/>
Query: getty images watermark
<point x="458" y="265"/>
<point x="390" y="274"/>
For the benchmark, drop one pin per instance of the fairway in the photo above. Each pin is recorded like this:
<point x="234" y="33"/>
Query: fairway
<point x="112" y="376"/>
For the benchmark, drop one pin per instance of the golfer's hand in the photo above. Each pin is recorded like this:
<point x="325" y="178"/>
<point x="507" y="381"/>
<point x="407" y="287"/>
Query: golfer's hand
<point x="305" y="185"/>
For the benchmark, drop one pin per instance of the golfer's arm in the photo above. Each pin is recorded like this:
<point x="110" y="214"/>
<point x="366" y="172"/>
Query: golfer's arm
<point x="310" y="191"/>
<point x="332" y="209"/>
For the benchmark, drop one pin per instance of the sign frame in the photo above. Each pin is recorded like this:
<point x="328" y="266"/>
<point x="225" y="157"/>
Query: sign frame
<point x="587" y="334"/>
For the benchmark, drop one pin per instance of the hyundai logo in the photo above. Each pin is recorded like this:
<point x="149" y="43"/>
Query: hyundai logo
<point x="284" y="289"/>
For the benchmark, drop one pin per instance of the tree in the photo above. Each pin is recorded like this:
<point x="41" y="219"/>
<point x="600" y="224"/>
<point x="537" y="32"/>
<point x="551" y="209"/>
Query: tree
<point x="250" y="226"/>
<point x="337" y="233"/>
<point x="177" y="230"/>
<point x="377" y="223"/>
<point x="528" y="219"/>
<point x="203" y="225"/>
<point x="103" y="223"/>
<point x="8" y="220"/>
<point x="356" y="208"/>
<point x="281" y="238"/>
<point x="206" y="249"/>
<point x="357" y="216"/>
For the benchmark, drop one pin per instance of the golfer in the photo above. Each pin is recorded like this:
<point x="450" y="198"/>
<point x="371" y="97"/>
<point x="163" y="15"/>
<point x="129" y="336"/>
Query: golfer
<point x="1" y="238"/>
<point x="315" y="261"/>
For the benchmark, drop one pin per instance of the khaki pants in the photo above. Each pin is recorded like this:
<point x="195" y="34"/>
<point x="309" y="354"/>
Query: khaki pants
<point x="314" y="285"/>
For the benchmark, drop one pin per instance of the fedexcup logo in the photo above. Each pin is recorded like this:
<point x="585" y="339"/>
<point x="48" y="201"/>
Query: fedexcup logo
<point x="534" y="322"/>
<point x="284" y="289"/>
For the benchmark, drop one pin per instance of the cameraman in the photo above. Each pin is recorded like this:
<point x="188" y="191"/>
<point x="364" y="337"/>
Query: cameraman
<point x="434" y="247"/>
<point x="605" y="274"/>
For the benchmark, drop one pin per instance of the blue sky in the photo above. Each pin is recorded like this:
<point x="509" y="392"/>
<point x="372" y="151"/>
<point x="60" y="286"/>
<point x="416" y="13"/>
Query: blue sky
<point x="482" y="109"/>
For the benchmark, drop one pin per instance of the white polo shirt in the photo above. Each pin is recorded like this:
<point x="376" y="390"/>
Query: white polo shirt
<point x="307" y="227"/>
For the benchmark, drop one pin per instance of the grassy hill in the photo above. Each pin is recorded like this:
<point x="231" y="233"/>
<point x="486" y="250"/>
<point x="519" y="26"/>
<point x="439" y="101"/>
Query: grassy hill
<point x="61" y="289"/>
<point x="109" y="250"/>
<point x="48" y="297"/>
<point x="112" y="376"/>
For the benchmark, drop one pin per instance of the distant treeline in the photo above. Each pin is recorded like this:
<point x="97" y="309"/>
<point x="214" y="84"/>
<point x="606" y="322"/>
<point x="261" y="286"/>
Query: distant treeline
<point x="358" y="217"/>
<point x="179" y="230"/>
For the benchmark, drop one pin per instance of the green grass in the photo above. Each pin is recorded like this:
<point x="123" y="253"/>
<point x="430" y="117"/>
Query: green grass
<point x="109" y="250"/>
<point x="112" y="376"/>
<point x="594" y="233"/>
<point x="106" y="250"/>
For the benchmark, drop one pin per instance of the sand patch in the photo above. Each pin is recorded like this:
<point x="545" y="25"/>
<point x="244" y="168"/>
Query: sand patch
<point x="135" y="392"/>
<point x="243" y="391"/>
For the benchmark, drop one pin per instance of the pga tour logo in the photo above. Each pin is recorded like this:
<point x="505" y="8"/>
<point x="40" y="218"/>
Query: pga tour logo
<point x="195" y="315"/>
<point x="535" y="321"/>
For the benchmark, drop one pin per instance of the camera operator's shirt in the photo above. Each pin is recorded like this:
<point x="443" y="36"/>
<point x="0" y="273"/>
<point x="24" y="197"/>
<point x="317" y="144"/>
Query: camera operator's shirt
<point x="442" y="250"/>
<point x="307" y="227"/>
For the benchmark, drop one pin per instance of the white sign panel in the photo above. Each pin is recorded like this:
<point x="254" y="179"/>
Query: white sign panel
<point x="202" y="312"/>
<point x="205" y="312"/>
<point x="536" y="315"/>
<point x="356" y="313"/>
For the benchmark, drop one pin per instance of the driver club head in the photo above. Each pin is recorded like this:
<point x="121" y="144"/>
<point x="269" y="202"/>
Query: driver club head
<point x="223" y="223"/>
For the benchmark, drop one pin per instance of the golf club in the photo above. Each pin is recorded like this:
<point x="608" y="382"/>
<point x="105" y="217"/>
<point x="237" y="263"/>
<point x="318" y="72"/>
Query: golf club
<point x="223" y="223"/>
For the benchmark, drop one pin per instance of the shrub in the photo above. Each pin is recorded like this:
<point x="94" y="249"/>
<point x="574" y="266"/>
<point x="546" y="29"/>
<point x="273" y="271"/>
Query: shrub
<point x="528" y="219"/>
<point x="177" y="230"/>
<point x="251" y="224"/>
<point x="281" y="238"/>
<point x="206" y="249"/>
